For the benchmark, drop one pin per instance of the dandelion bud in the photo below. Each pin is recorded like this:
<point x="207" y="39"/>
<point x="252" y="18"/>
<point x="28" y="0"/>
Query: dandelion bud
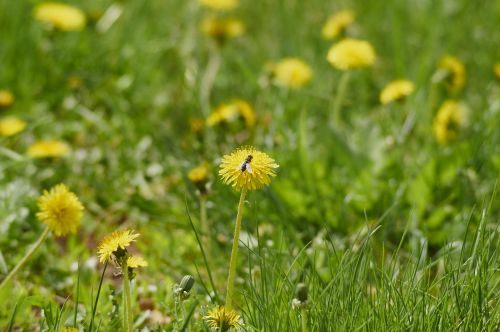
<point x="183" y="289"/>
<point x="301" y="293"/>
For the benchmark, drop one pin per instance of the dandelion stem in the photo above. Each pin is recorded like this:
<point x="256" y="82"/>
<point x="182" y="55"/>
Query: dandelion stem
<point x="97" y="296"/>
<point x="204" y="224"/>
<point x="303" y="313"/>
<point x="234" y="251"/>
<point x="127" y="298"/>
<point x="336" y="117"/>
<point x="26" y="257"/>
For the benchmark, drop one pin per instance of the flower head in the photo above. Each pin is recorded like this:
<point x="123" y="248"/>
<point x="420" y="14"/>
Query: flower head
<point x="136" y="261"/>
<point x="452" y="70"/>
<point x="222" y="28"/>
<point x="69" y="329"/>
<point x="336" y="24"/>
<point x="60" y="210"/>
<point x="10" y="126"/>
<point x="351" y="53"/>
<point x="6" y="98"/>
<point x="396" y="90"/>
<point x="247" y="168"/>
<point x="230" y="112"/>
<point x="196" y="125"/>
<point x="496" y="70"/>
<point x="292" y="72"/>
<point x="447" y="123"/>
<point x="61" y="16"/>
<point x="111" y="245"/>
<point x="48" y="148"/>
<point x="198" y="174"/>
<point x="222" y="319"/>
<point x="222" y="5"/>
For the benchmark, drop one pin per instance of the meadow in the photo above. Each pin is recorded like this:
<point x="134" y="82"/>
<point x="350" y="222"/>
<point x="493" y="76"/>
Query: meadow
<point x="225" y="165"/>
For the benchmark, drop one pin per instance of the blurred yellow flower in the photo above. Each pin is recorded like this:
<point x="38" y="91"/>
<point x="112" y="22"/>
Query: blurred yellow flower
<point x="292" y="72"/>
<point x="196" y="124"/>
<point x="61" y="16"/>
<point x="447" y="123"/>
<point x="222" y="28"/>
<point x="219" y="4"/>
<point x="110" y="246"/>
<point x="136" y="261"/>
<point x="226" y="113"/>
<point x="222" y="319"/>
<point x="453" y="72"/>
<point x="396" y="90"/>
<point x="351" y="53"/>
<point x="48" y="148"/>
<point x="496" y="70"/>
<point x="10" y="126"/>
<point x="247" y="168"/>
<point x="69" y="329"/>
<point x="6" y="98"/>
<point x="60" y="210"/>
<point x="198" y="174"/>
<point x="337" y="23"/>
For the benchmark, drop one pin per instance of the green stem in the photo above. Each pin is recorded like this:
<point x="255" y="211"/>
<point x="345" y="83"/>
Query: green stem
<point x="204" y="225"/>
<point x="127" y="299"/>
<point x="336" y="117"/>
<point x="26" y="257"/>
<point x="234" y="251"/>
<point x="303" y="313"/>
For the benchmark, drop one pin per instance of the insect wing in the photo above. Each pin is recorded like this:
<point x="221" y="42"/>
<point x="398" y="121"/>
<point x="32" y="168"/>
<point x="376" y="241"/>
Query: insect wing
<point x="249" y="168"/>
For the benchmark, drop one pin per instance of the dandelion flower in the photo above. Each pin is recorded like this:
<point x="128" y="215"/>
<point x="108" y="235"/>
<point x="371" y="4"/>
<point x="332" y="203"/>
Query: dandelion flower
<point x="6" y="98"/>
<point x="112" y="243"/>
<point x="247" y="168"/>
<point x="230" y="112"/>
<point x="222" y="5"/>
<point x="351" y="53"/>
<point x="447" y="123"/>
<point x="196" y="125"/>
<point x="48" y="148"/>
<point x="496" y="70"/>
<point x="222" y="28"/>
<point x="396" y="90"/>
<point x="453" y="72"/>
<point x="198" y="174"/>
<point x="336" y="24"/>
<point x="222" y="319"/>
<point x="292" y="72"/>
<point x="60" y="210"/>
<point x="61" y="16"/>
<point x="69" y="329"/>
<point x="136" y="261"/>
<point x="10" y="126"/>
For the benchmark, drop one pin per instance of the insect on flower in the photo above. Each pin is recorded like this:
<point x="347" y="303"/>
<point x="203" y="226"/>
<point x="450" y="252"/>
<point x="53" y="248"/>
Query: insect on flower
<point x="245" y="165"/>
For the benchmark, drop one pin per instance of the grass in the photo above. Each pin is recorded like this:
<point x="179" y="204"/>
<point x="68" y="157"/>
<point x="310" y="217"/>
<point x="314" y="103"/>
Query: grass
<point x="386" y="234"/>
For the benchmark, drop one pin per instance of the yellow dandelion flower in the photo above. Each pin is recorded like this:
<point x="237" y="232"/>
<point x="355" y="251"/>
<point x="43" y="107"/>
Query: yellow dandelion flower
<point x="6" y="98"/>
<point x="196" y="124"/>
<point x="496" y="70"/>
<point x="10" y="126"/>
<point x="351" y="53"/>
<point x="230" y="112"/>
<point x="136" y="261"/>
<point x="292" y="72"/>
<point x="396" y="90"/>
<point x="60" y="210"/>
<point x="337" y="23"/>
<point x="222" y="5"/>
<point x="198" y="174"/>
<point x="453" y="71"/>
<point x="61" y="16"/>
<point x="448" y="121"/>
<point x="222" y="319"/>
<point x="222" y="28"/>
<point x="111" y="243"/>
<point x="69" y="329"/>
<point x="247" y="168"/>
<point x="48" y="148"/>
